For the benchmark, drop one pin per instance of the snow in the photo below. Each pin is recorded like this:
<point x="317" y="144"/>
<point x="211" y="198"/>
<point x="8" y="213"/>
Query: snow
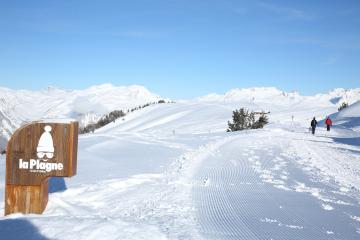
<point x="171" y="171"/>
<point x="348" y="117"/>
<point x="57" y="120"/>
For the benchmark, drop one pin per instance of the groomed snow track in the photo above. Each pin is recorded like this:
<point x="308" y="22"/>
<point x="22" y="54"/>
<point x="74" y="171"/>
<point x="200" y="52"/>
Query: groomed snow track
<point x="246" y="191"/>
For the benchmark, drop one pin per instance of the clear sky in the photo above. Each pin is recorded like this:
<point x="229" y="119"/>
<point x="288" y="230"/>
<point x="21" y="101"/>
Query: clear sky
<point x="181" y="48"/>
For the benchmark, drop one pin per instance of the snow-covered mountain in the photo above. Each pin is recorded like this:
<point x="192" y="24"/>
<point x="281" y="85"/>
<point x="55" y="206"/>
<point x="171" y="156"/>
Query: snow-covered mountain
<point x="18" y="106"/>
<point x="276" y="96"/>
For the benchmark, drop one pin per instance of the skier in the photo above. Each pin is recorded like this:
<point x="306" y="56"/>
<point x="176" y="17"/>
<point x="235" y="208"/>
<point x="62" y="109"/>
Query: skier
<point x="313" y="125"/>
<point x="328" y="123"/>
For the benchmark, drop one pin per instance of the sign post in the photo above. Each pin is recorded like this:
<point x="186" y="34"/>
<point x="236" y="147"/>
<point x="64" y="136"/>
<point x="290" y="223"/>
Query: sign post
<point x="35" y="152"/>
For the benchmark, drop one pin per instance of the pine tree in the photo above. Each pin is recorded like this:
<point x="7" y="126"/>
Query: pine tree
<point x="343" y="105"/>
<point x="250" y="120"/>
<point x="261" y="122"/>
<point x="240" y="121"/>
<point x="243" y="119"/>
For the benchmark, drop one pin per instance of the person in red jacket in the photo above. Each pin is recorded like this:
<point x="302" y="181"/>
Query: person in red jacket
<point x="328" y="123"/>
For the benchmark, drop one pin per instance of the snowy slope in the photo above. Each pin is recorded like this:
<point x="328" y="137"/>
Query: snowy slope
<point x="170" y="171"/>
<point x="18" y="106"/>
<point x="6" y="130"/>
<point x="349" y="117"/>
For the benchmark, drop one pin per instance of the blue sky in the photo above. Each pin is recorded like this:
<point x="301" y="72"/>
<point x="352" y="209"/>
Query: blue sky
<point x="181" y="48"/>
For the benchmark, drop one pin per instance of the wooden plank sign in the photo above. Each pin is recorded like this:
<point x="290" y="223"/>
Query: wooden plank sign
<point x="35" y="152"/>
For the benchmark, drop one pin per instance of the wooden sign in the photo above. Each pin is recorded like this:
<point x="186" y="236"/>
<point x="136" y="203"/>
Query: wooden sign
<point x="35" y="152"/>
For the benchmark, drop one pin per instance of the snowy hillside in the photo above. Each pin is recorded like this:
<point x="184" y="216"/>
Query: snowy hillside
<point x="18" y="106"/>
<point x="348" y="117"/>
<point x="170" y="171"/>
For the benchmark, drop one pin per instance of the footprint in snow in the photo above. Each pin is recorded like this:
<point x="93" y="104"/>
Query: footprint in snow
<point x="206" y="182"/>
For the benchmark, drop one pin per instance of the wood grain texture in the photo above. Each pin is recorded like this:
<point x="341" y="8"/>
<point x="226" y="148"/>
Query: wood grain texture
<point x="26" y="199"/>
<point x="27" y="189"/>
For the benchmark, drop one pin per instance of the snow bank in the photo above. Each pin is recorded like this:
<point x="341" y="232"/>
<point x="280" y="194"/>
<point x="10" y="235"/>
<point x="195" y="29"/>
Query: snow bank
<point x="348" y="118"/>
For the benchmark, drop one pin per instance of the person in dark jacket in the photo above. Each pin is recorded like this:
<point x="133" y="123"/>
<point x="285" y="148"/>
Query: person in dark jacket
<point x="328" y="123"/>
<point x="313" y="125"/>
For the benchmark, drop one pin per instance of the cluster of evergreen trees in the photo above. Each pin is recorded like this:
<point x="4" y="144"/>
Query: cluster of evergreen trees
<point x="112" y="116"/>
<point x="245" y="119"/>
<point x="147" y="104"/>
<point x="342" y="106"/>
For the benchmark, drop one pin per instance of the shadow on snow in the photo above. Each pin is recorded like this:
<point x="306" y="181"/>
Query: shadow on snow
<point x="19" y="229"/>
<point x="57" y="184"/>
<point x="354" y="141"/>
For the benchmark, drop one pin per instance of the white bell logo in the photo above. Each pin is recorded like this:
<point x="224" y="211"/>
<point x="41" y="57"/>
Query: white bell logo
<point x="46" y="144"/>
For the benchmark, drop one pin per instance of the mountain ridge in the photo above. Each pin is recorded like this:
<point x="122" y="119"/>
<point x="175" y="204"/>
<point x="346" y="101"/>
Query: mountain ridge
<point x="335" y="96"/>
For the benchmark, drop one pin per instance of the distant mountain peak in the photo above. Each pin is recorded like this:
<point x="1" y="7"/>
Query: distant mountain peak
<point x="273" y="95"/>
